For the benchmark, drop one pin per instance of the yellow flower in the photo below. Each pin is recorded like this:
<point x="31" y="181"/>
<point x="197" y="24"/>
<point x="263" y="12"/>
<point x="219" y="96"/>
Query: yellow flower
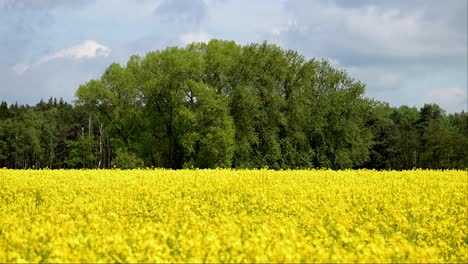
<point x="156" y="215"/>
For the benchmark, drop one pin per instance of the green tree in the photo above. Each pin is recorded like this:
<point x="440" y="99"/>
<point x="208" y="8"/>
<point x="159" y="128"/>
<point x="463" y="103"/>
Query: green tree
<point x="336" y="117"/>
<point x="433" y="137"/>
<point x="384" y="136"/>
<point x="187" y="117"/>
<point x="225" y="105"/>
<point x="458" y="142"/>
<point x="207" y="137"/>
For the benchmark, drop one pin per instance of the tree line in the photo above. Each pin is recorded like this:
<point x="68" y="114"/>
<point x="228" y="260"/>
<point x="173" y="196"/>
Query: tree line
<point x="224" y="105"/>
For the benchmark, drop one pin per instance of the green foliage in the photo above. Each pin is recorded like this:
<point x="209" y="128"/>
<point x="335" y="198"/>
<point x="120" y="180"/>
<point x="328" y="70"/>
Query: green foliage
<point x="126" y="160"/>
<point x="224" y="105"/>
<point x="81" y="153"/>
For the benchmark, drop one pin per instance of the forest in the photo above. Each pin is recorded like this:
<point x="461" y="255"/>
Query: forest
<point x="220" y="104"/>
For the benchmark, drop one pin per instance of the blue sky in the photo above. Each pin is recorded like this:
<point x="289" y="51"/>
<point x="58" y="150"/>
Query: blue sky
<point x="406" y="52"/>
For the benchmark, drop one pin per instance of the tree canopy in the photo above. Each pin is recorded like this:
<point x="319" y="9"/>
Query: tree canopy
<point x="220" y="104"/>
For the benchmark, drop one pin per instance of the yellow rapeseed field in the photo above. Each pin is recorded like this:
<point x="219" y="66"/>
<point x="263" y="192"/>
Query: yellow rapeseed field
<point x="233" y="216"/>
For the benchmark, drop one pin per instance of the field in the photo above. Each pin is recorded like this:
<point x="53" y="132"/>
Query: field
<point x="233" y="216"/>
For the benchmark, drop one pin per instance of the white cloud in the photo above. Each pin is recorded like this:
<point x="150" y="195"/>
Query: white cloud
<point x="21" y="68"/>
<point x="194" y="37"/>
<point x="392" y="32"/>
<point x="276" y="31"/>
<point x="384" y="25"/>
<point x="451" y="98"/>
<point x="378" y="30"/>
<point x="378" y="77"/>
<point x="187" y="12"/>
<point x="87" y="50"/>
<point x="390" y="79"/>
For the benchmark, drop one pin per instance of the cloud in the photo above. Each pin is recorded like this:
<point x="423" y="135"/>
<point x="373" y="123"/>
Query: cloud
<point x="451" y="98"/>
<point x="292" y="25"/>
<point x="190" y="37"/>
<point x="382" y="78"/>
<point x="377" y="30"/>
<point x="22" y="22"/>
<point x="86" y="50"/>
<point x="182" y="11"/>
<point x="21" y="68"/>
<point x="40" y="4"/>
<point x="453" y="13"/>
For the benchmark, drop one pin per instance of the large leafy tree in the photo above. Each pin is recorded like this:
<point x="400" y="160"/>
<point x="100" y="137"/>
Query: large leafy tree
<point x="258" y="106"/>
<point x="189" y="119"/>
<point x="114" y="111"/>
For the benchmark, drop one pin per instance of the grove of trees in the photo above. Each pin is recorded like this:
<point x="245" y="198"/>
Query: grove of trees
<point x="225" y="105"/>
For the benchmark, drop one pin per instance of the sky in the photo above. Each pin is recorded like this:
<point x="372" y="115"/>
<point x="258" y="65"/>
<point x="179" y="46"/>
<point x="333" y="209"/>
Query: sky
<point x="407" y="52"/>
